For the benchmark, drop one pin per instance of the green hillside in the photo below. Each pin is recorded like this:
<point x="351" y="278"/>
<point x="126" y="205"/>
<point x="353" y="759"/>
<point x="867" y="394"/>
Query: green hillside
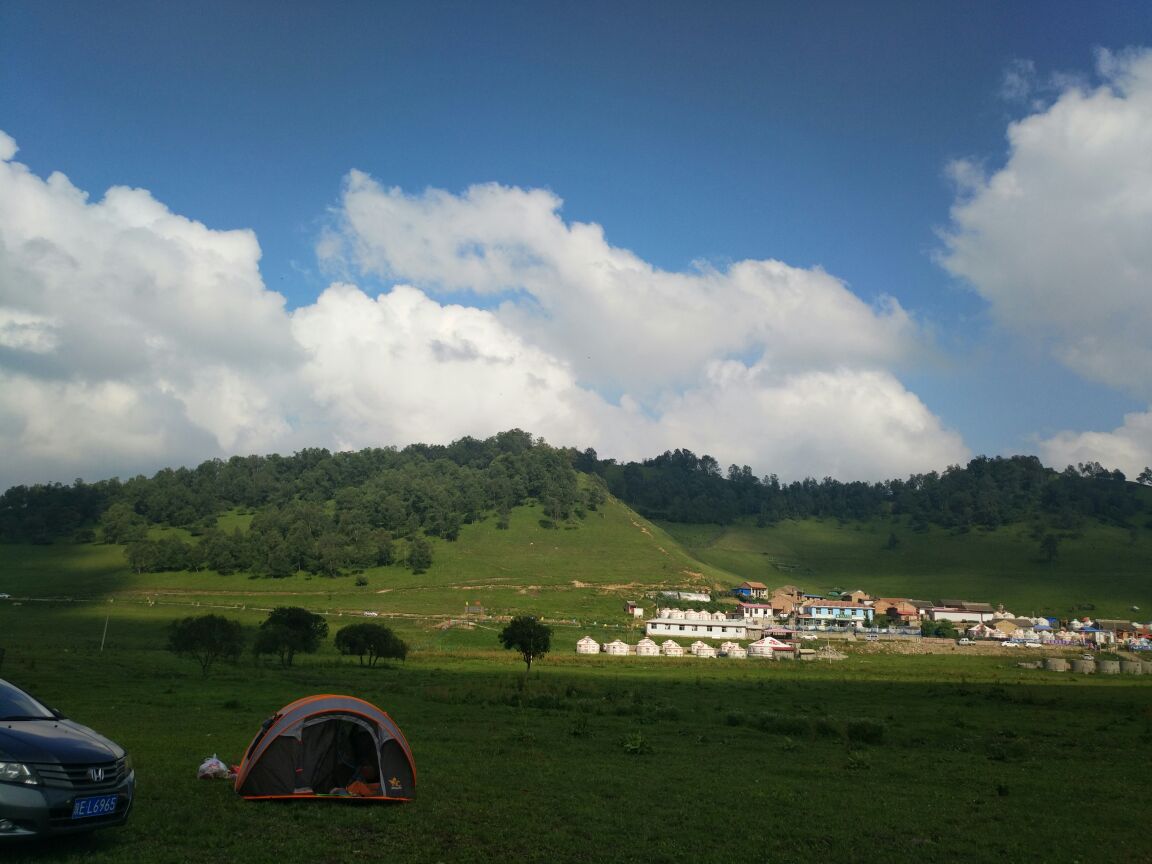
<point x="583" y="571"/>
<point x="1100" y="569"/>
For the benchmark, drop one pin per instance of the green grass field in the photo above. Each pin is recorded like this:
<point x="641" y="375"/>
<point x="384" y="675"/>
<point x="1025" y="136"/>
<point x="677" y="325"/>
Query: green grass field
<point x="583" y="572"/>
<point x="932" y="758"/>
<point x="921" y="758"/>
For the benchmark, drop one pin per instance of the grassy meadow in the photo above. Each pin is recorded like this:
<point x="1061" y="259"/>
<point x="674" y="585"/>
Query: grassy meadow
<point x="932" y="758"/>
<point x="582" y="572"/>
<point x="902" y="758"/>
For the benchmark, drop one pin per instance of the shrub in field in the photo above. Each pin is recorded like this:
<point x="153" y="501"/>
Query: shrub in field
<point x="206" y="639"/>
<point x="374" y="641"/>
<point x="289" y="630"/>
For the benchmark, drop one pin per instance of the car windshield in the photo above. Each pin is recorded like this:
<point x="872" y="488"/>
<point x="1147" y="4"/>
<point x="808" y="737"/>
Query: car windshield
<point x="15" y="704"/>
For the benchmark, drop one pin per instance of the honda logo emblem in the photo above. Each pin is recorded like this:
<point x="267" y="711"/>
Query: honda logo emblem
<point x="96" y="775"/>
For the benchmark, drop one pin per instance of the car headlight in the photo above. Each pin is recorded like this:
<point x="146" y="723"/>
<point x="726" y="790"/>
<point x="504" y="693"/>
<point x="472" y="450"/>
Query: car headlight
<point x="128" y="766"/>
<point x="17" y="772"/>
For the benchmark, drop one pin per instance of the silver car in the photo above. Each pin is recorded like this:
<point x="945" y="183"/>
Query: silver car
<point x="57" y="776"/>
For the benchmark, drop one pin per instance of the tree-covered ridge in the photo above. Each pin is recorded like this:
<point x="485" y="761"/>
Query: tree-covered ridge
<point x="679" y="486"/>
<point x="323" y="512"/>
<point x="314" y="511"/>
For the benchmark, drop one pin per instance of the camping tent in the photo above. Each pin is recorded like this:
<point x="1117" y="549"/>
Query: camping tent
<point x="328" y="745"/>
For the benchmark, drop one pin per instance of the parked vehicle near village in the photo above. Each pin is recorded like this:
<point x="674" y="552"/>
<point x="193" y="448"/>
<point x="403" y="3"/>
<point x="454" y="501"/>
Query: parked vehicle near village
<point x="56" y="775"/>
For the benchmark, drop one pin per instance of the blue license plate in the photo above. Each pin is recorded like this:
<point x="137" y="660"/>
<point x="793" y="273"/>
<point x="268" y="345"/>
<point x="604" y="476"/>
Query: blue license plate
<point x="97" y="805"/>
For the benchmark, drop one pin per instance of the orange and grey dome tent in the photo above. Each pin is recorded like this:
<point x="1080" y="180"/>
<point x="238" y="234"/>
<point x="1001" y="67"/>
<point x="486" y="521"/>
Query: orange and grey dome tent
<point x="326" y="746"/>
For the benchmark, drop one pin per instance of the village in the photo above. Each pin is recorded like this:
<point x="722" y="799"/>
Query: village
<point x="781" y="623"/>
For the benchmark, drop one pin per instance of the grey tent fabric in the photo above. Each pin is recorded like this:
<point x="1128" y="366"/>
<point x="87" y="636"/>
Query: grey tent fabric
<point x="328" y="745"/>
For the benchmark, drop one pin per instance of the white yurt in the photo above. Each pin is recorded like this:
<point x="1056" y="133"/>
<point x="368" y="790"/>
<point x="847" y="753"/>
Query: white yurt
<point x="587" y="645"/>
<point x="760" y="648"/>
<point x="702" y="649"/>
<point x="647" y="648"/>
<point x="616" y="648"/>
<point x="738" y="653"/>
<point x="672" y="649"/>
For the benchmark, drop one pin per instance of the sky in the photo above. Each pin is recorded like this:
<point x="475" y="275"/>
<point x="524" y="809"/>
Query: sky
<point x="847" y="239"/>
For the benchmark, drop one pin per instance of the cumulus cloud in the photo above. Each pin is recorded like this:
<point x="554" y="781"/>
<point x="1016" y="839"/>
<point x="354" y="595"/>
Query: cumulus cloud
<point x="1057" y="239"/>
<point x="1128" y="447"/>
<point x="129" y="335"/>
<point x="760" y="363"/>
<point x="618" y="322"/>
<point x="132" y="337"/>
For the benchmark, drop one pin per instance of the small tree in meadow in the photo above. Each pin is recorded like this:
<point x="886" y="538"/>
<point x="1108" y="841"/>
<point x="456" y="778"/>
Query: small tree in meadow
<point x="289" y="630"/>
<point x="206" y="639"/>
<point x="528" y="636"/>
<point x="373" y="641"/>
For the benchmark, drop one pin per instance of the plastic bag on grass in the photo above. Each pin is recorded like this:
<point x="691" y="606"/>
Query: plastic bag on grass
<point x="214" y="769"/>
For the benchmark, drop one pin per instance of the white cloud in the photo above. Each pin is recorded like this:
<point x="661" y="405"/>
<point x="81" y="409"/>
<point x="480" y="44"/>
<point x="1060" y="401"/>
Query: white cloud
<point x="845" y="423"/>
<point x="1128" y="447"/>
<point x="132" y="337"/>
<point x="129" y="336"/>
<point x="1057" y="240"/>
<point x="619" y="323"/>
<point x="402" y="368"/>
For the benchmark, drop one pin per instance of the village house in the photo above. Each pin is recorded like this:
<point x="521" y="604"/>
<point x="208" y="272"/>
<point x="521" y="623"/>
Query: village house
<point x="834" y="613"/>
<point x="754" y="612"/>
<point x="1125" y="631"/>
<point x="961" y="610"/>
<point x="751" y="590"/>
<point x="902" y="608"/>
<point x="786" y="599"/>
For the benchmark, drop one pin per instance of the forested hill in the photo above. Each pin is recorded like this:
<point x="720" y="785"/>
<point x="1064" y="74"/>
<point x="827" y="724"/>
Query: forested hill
<point x="314" y="511"/>
<point x="323" y="512"/>
<point x="679" y="486"/>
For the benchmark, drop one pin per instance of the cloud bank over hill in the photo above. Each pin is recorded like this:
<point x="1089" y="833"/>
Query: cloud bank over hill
<point x="132" y="337"/>
<point x="1057" y="241"/>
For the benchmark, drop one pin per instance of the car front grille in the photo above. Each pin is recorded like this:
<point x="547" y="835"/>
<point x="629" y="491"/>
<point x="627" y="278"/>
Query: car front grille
<point x="83" y="778"/>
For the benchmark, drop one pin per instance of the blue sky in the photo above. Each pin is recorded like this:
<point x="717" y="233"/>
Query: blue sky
<point x="821" y="135"/>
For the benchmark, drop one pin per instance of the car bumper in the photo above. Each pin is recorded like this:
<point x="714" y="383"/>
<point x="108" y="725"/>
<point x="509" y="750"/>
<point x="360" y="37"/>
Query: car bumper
<point x="37" y="811"/>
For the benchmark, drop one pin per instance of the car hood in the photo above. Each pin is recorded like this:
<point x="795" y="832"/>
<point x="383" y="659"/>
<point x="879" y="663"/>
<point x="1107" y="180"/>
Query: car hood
<point x="61" y="741"/>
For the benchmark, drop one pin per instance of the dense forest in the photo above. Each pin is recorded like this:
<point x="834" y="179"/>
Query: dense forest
<point x="314" y="511"/>
<point x="680" y="487"/>
<point x="330" y="513"/>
